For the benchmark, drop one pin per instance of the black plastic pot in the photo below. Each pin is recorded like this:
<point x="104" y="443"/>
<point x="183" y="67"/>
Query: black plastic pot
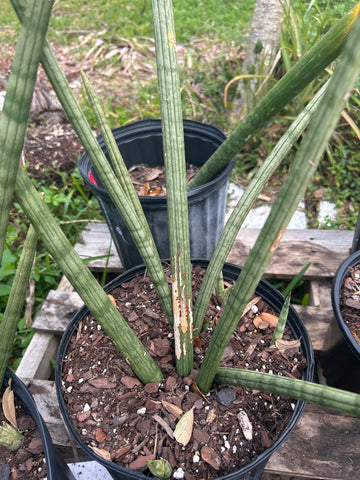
<point x="340" y="360"/>
<point x="141" y="142"/>
<point x="253" y="470"/>
<point x="57" y="469"/>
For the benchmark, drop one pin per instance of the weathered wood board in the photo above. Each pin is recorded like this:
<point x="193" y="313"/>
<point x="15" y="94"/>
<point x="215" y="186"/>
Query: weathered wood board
<point x="325" y="249"/>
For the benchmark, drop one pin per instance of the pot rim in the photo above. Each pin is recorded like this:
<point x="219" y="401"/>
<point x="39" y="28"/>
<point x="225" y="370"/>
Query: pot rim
<point x="153" y="126"/>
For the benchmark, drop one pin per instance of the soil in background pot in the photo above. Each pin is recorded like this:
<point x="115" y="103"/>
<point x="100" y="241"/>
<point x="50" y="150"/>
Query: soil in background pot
<point x="126" y="423"/>
<point x="350" y="301"/>
<point x="29" y="460"/>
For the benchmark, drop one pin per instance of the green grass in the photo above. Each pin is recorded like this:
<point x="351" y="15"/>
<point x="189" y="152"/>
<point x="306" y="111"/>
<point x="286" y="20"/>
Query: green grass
<point x="209" y="18"/>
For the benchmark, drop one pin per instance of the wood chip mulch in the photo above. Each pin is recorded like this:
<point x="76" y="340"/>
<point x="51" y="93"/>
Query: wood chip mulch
<point x="127" y="423"/>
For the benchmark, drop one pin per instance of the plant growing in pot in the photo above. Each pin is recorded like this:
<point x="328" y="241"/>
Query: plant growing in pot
<point x="186" y="322"/>
<point x="26" y="448"/>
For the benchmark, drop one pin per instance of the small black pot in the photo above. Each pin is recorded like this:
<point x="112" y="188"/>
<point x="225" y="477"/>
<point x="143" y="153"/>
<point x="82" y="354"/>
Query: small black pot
<point x="57" y="469"/>
<point x="340" y="360"/>
<point x="253" y="470"/>
<point x="141" y="142"/>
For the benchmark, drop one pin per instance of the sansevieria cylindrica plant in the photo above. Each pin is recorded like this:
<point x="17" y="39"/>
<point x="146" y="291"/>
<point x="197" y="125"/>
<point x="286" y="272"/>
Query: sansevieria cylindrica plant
<point x="319" y="118"/>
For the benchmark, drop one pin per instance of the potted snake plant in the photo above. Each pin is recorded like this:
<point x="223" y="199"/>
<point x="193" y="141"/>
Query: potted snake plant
<point x="185" y="321"/>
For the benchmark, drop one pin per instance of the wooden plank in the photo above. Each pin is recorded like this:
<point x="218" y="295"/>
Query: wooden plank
<point x="324" y="445"/>
<point x="316" y="321"/>
<point x="326" y="249"/>
<point x="96" y="241"/>
<point x="36" y="360"/>
<point x="291" y="256"/>
<point x="44" y="394"/>
<point x="320" y="293"/>
<point x="57" y="310"/>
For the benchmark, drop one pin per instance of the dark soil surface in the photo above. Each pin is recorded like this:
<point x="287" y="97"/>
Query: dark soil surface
<point x="350" y="301"/>
<point x="28" y="461"/>
<point x="128" y="423"/>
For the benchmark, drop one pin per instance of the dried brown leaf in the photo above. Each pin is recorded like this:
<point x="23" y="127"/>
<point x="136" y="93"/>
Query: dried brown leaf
<point x="270" y="318"/>
<point x="153" y="174"/>
<point x="164" y="425"/>
<point x="283" y="345"/>
<point x="8" y="405"/>
<point x="173" y="409"/>
<point x="184" y="427"/>
<point x="144" y="191"/>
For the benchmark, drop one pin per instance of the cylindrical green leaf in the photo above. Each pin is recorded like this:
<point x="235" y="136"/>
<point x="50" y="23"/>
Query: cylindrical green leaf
<point x="16" y="299"/>
<point x="309" y="67"/>
<point x="329" y="397"/>
<point x="176" y="191"/>
<point x="14" y="116"/>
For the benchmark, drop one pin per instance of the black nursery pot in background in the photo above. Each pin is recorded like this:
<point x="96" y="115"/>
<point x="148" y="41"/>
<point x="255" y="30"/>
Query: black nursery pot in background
<point x="56" y="467"/>
<point x="141" y="142"/>
<point x="340" y="360"/>
<point x="251" y="471"/>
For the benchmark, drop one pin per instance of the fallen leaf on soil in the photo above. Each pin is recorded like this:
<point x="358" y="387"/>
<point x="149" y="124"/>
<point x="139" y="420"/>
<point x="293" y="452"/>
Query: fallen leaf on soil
<point x="154" y="173"/>
<point x="283" y="345"/>
<point x="102" y="453"/>
<point x="245" y="425"/>
<point x="270" y="318"/>
<point x="173" y="409"/>
<point x="164" y="425"/>
<point x="197" y="390"/>
<point x="211" y="457"/>
<point x="260" y="324"/>
<point x="145" y="188"/>
<point x="184" y="427"/>
<point x="101" y="382"/>
<point x="8" y="406"/>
